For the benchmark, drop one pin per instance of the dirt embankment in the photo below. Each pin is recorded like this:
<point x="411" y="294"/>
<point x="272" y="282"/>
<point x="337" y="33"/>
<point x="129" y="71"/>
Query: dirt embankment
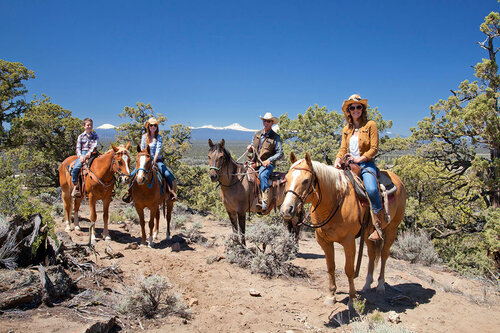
<point x="218" y="293"/>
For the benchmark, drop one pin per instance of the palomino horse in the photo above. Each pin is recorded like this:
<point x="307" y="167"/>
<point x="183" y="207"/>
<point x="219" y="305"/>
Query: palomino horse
<point x="99" y="184"/>
<point x="238" y="189"/>
<point x="338" y="215"/>
<point x="148" y="192"/>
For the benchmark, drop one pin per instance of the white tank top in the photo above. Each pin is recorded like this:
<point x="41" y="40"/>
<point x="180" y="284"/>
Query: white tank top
<point x="354" y="146"/>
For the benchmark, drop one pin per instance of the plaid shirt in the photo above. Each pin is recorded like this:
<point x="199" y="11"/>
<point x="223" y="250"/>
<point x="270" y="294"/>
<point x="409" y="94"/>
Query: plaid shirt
<point x="86" y="142"/>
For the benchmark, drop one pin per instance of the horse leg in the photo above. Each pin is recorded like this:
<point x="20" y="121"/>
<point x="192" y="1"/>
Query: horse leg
<point x="350" y="254"/>
<point x="76" y="209"/>
<point x="170" y="208"/>
<point x="241" y="224"/>
<point x="372" y="254"/>
<point x="93" y="217"/>
<point x="105" y="217"/>
<point x="329" y="251"/>
<point x="154" y="215"/>
<point x="156" y="224"/>
<point x="140" y="212"/>
<point x="68" y="205"/>
<point x="390" y="236"/>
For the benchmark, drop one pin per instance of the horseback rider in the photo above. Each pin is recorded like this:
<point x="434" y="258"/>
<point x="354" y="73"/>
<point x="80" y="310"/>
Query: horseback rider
<point x="85" y="145"/>
<point x="267" y="149"/>
<point x="360" y="145"/>
<point x="154" y="140"/>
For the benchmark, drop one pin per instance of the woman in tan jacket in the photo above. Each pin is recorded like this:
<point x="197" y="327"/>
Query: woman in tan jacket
<point x="360" y="145"/>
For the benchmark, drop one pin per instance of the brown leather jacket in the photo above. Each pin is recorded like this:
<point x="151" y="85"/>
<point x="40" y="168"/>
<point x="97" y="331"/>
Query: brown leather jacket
<point x="268" y="147"/>
<point x="368" y="140"/>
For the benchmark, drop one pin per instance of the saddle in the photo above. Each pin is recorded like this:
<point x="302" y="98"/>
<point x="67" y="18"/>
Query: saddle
<point x="84" y="171"/>
<point x="386" y="187"/>
<point x="276" y="180"/>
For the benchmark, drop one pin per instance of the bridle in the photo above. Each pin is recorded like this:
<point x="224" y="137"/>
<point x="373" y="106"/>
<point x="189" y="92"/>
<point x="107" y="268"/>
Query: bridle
<point x="114" y="168"/>
<point x="312" y="188"/>
<point x="225" y="158"/>
<point x="150" y="178"/>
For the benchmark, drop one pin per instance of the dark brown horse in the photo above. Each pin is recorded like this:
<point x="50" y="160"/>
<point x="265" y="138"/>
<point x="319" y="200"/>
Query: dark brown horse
<point x="99" y="184"/>
<point x="338" y="214"/>
<point x="238" y="189"/>
<point x="148" y="192"/>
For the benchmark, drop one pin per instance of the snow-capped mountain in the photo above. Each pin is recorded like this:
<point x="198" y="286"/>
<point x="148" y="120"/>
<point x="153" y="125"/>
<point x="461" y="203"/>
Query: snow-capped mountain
<point x="233" y="132"/>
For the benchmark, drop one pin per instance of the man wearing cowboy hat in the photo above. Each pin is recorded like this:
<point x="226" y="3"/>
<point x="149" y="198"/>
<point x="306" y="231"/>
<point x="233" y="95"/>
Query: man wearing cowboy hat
<point x="267" y="150"/>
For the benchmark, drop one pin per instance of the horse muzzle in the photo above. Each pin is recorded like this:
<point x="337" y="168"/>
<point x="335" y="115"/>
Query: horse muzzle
<point x="288" y="211"/>
<point x="213" y="176"/>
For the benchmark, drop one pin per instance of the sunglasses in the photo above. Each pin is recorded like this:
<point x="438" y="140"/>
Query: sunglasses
<point x="153" y="125"/>
<point x="267" y="121"/>
<point x="357" y="107"/>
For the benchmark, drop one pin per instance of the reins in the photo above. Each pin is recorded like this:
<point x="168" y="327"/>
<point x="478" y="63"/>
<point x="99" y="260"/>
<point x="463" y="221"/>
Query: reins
<point x="99" y="181"/>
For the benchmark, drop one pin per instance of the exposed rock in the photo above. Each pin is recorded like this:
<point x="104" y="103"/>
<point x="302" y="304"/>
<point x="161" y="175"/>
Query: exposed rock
<point x="393" y="317"/>
<point x="102" y="326"/>
<point x="254" y="293"/>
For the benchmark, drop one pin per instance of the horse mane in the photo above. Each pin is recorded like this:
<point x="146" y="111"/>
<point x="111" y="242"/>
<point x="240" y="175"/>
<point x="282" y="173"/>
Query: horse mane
<point x="329" y="175"/>
<point x="121" y="149"/>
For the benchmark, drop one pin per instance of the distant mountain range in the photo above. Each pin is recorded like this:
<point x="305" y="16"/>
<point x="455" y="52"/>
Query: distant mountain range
<point x="233" y="132"/>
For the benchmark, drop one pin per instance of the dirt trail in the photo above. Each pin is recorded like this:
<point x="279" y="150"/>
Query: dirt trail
<point x="427" y="299"/>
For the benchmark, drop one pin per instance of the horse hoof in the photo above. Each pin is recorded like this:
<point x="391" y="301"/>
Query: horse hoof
<point x="77" y="228"/>
<point x="155" y="236"/>
<point x="381" y="291"/>
<point x="108" y="237"/>
<point x="330" y="300"/>
<point x="67" y="229"/>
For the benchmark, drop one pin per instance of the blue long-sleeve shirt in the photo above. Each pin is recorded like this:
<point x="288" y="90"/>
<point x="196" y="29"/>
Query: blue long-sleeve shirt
<point x="154" y="146"/>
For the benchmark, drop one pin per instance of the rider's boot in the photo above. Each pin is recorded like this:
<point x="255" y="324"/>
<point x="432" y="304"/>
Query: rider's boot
<point x="265" y="200"/>
<point x="380" y="223"/>
<point x="76" y="191"/>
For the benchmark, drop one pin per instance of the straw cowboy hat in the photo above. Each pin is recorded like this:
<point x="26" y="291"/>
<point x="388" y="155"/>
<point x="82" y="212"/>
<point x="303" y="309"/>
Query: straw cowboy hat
<point x="269" y="116"/>
<point x="151" y="121"/>
<point x="353" y="99"/>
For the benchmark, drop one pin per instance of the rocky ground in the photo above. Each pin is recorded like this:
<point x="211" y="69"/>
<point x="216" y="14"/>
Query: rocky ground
<point x="222" y="297"/>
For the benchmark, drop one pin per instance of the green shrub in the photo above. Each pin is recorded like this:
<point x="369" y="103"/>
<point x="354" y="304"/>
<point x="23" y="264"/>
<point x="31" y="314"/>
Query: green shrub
<point x="130" y="213"/>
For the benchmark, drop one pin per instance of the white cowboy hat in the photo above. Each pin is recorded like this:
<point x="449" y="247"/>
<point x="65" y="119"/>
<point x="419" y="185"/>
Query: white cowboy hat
<point x="269" y="116"/>
<point x="353" y="99"/>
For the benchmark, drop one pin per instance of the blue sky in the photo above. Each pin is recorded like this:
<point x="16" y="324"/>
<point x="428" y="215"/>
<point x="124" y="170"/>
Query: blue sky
<point x="220" y="62"/>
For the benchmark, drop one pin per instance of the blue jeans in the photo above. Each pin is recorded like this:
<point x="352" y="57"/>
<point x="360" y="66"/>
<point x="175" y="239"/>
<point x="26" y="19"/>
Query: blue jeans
<point x="76" y="168"/>
<point x="165" y="171"/>
<point x="264" y="174"/>
<point x="371" y="184"/>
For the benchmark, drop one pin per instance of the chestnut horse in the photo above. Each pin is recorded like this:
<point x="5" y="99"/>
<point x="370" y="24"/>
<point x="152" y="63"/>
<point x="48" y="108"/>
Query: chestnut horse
<point x="338" y="214"/>
<point x="148" y="192"/>
<point x="238" y="193"/>
<point x="99" y="184"/>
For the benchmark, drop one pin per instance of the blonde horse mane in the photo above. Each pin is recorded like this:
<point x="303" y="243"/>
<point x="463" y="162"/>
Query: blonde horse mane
<point x="330" y="176"/>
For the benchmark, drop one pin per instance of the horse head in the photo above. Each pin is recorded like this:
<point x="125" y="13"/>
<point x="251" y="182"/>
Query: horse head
<point x="122" y="161"/>
<point x="300" y="183"/>
<point x="218" y="156"/>
<point x="143" y="164"/>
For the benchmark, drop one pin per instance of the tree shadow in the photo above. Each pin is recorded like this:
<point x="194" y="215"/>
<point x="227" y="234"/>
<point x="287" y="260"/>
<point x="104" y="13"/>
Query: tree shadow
<point x="398" y="298"/>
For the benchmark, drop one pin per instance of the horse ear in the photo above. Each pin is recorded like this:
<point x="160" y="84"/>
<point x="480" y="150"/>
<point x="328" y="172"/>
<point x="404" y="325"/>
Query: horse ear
<point x="114" y="148"/>
<point x="139" y="148"/>
<point x="210" y="143"/>
<point x="293" y="159"/>
<point x="148" y="149"/>
<point x="222" y="143"/>
<point x="308" y="159"/>
<point x="128" y="145"/>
